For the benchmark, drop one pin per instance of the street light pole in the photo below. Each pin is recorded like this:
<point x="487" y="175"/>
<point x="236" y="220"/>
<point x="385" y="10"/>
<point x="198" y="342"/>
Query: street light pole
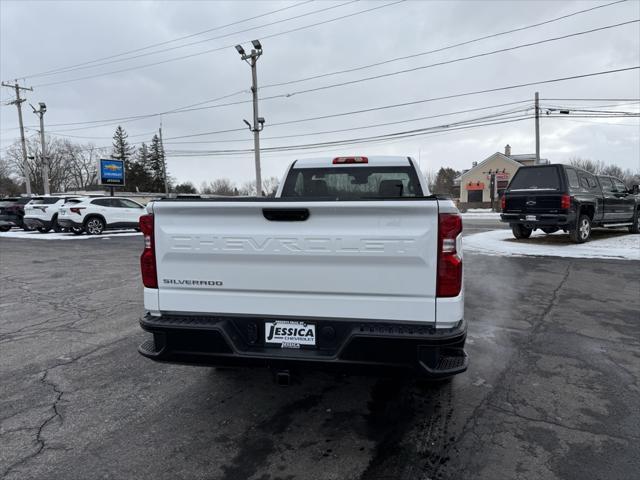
<point x="258" y="122"/>
<point x="43" y="153"/>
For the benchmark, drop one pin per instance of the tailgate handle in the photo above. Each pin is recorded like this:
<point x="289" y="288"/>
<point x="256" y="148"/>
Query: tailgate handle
<point x="286" y="214"/>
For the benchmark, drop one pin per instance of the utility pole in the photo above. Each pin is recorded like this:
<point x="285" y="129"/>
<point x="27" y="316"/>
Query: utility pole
<point x="164" y="162"/>
<point x="45" y="160"/>
<point x="537" y="107"/>
<point x="18" y="103"/>
<point x="258" y="122"/>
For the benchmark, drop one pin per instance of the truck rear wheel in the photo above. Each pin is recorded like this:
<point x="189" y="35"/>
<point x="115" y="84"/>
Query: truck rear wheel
<point x="582" y="232"/>
<point x="520" y="231"/>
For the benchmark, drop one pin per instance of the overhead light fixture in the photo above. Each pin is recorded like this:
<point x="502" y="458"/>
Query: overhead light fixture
<point x="256" y="44"/>
<point x="240" y="49"/>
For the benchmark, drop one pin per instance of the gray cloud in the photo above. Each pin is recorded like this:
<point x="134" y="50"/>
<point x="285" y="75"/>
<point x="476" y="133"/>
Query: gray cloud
<point x="72" y="32"/>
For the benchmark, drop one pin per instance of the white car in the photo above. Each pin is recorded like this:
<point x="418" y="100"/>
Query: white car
<point x="94" y="215"/>
<point x="41" y="213"/>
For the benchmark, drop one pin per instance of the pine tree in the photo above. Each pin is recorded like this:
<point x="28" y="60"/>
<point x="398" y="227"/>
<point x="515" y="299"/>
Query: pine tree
<point x="139" y="175"/>
<point x="156" y="165"/>
<point x="122" y="150"/>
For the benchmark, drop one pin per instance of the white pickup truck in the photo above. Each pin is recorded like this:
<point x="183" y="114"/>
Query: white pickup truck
<point x="353" y="266"/>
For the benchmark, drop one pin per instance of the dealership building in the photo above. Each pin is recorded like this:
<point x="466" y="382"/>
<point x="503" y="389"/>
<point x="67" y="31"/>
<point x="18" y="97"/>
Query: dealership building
<point x="494" y="171"/>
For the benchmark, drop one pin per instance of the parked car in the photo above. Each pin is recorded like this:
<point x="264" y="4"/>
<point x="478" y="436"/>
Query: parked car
<point x="95" y="215"/>
<point x="12" y="213"/>
<point x="562" y="197"/>
<point x="41" y="213"/>
<point x="353" y="266"/>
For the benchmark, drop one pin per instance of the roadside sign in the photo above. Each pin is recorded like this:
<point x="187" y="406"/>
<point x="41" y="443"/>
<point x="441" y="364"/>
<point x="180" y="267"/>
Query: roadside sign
<point x="111" y="172"/>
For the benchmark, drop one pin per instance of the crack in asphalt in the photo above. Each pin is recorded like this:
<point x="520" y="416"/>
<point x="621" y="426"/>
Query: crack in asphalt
<point x="44" y="379"/>
<point x="546" y="421"/>
<point x="471" y="424"/>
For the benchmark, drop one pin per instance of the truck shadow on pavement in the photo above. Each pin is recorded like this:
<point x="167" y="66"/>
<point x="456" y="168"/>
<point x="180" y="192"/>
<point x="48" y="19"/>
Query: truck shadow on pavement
<point x="349" y="427"/>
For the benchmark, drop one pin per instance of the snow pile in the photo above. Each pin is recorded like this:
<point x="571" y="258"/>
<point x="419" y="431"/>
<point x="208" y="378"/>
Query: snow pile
<point x="481" y="213"/>
<point x="603" y="244"/>
<point x="35" y="235"/>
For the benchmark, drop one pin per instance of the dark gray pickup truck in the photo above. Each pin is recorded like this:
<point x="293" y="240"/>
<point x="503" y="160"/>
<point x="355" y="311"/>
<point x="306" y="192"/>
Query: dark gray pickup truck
<point x="562" y="197"/>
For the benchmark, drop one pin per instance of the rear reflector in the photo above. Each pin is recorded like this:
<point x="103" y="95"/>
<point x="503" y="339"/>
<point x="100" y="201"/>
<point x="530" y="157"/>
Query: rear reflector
<point x="565" y="202"/>
<point x="339" y="160"/>
<point x="449" y="280"/>
<point x="148" y="257"/>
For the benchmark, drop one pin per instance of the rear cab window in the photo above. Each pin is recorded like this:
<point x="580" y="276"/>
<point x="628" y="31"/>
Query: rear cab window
<point x="607" y="185"/>
<point x="572" y="178"/>
<point x="352" y="183"/>
<point x="619" y="186"/>
<point x="536" y="178"/>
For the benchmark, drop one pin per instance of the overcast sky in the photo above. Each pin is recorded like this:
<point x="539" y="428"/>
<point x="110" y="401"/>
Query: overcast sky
<point x="41" y="36"/>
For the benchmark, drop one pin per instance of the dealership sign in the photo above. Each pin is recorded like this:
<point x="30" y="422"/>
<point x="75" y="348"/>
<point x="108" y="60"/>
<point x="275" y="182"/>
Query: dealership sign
<point x="111" y="172"/>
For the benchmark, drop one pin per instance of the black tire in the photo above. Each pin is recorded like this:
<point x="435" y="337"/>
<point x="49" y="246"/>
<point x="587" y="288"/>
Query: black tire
<point x="5" y="229"/>
<point x="550" y="230"/>
<point x="55" y="226"/>
<point x="582" y="232"/>
<point x="520" y="231"/>
<point x="635" y="227"/>
<point x="43" y="229"/>
<point x="77" y="230"/>
<point x="94" y="226"/>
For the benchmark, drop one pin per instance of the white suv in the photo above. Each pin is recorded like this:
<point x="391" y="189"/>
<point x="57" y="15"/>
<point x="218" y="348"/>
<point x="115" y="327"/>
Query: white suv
<point x="41" y="213"/>
<point x="94" y="215"/>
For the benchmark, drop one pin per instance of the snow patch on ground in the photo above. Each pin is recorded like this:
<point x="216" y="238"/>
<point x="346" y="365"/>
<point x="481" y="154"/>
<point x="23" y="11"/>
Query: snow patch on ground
<point x="481" y="214"/>
<point x="35" y="235"/>
<point x="617" y="244"/>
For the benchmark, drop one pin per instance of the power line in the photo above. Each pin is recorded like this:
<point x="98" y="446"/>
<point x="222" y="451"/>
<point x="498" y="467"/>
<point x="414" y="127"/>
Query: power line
<point x="189" y="108"/>
<point x="263" y="37"/>
<point x="493" y="52"/>
<point x="202" y="32"/>
<point x="376" y="125"/>
<point x="360" y="80"/>
<point x="426" y="100"/>
<point x="199" y="41"/>
<point x="371" y="139"/>
<point x="441" y="49"/>
<point x="346" y="16"/>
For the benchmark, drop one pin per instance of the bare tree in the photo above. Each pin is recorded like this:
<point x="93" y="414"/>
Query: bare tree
<point x="219" y="186"/>
<point x="270" y="186"/>
<point x="430" y="176"/>
<point x="592" y="166"/>
<point x="248" y="189"/>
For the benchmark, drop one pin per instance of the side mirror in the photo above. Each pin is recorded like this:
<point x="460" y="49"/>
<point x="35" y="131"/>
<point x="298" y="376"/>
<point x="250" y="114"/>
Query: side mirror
<point x="635" y="190"/>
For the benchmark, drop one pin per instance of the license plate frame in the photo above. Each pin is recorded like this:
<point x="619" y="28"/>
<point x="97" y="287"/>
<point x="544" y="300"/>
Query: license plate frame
<point x="531" y="218"/>
<point x="290" y="334"/>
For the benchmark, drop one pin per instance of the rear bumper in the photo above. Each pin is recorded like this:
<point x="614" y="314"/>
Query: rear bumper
<point x="542" y="219"/>
<point x="342" y="346"/>
<point x="36" y="223"/>
<point x="66" y="223"/>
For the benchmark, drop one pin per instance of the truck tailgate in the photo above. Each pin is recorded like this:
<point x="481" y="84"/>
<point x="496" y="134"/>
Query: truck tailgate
<point x="352" y="260"/>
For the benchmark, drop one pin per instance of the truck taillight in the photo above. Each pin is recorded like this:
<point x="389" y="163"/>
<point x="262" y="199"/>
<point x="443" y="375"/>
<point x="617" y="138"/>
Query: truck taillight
<point x="503" y="202"/>
<point x="565" y="202"/>
<point x="148" y="257"/>
<point x="449" y="278"/>
<point x="340" y="160"/>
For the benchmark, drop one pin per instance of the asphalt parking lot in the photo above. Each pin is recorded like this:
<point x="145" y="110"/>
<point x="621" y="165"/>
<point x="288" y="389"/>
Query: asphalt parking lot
<point x="552" y="391"/>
